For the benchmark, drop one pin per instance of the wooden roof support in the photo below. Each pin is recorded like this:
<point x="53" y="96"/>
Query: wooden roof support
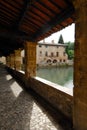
<point x="57" y="20"/>
<point x="31" y="20"/>
<point x="27" y="3"/>
<point x="52" y="1"/>
<point x="44" y="29"/>
<point x="52" y="11"/>
<point x="9" y="47"/>
<point x="68" y="1"/>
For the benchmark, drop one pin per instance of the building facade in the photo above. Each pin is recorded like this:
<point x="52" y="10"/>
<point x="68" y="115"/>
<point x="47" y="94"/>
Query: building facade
<point x="51" y="54"/>
<point x="2" y="60"/>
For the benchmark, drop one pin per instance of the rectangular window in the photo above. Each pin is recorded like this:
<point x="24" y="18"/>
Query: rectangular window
<point x="40" y="52"/>
<point x="46" y="46"/>
<point x="40" y="46"/>
<point x="57" y="54"/>
<point x="46" y="54"/>
<point x="52" y="54"/>
<point x="64" y="53"/>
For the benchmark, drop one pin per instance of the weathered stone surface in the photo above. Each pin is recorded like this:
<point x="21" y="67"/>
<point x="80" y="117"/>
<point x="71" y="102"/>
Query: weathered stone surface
<point x="80" y="66"/>
<point x="30" y="59"/>
<point x="21" y="111"/>
<point x="8" y="61"/>
<point x="12" y="60"/>
<point x="58" y="98"/>
<point x="17" y="59"/>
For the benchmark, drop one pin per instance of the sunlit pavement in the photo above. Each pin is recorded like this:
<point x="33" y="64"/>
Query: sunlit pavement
<point x="19" y="110"/>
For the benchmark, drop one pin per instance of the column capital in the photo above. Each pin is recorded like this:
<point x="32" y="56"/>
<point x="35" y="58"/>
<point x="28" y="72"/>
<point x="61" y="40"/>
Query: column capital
<point x="30" y="42"/>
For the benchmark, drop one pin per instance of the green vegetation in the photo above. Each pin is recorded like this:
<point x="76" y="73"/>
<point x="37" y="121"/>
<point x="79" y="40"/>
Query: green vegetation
<point x="61" y="41"/>
<point x="70" y="50"/>
<point x="69" y="47"/>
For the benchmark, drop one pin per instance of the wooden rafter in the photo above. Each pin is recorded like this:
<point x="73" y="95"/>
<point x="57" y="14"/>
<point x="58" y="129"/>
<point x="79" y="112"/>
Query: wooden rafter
<point x="31" y="20"/>
<point x="57" y="20"/>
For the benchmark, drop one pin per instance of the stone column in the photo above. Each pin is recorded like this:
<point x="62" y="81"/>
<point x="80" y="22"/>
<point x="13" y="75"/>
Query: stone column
<point x="80" y="66"/>
<point x="8" y="61"/>
<point x="30" y="59"/>
<point x="18" y="59"/>
<point x="12" y="61"/>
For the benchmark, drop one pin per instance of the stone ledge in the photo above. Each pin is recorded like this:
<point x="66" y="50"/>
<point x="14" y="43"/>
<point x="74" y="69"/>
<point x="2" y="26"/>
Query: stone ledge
<point x="59" y="97"/>
<point x="56" y="86"/>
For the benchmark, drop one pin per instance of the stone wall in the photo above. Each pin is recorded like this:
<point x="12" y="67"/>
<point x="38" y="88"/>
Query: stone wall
<point x="3" y="60"/>
<point x="80" y="66"/>
<point x="60" y="98"/>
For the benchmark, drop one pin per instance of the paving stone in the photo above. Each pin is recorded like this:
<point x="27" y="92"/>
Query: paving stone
<point x="19" y="110"/>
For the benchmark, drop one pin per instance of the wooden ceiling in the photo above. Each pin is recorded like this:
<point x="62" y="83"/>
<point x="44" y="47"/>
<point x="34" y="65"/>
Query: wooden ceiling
<point x="31" y="20"/>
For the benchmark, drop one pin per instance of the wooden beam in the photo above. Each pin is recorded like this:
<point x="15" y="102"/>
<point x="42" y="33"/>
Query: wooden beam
<point x="8" y="46"/>
<point x="23" y="12"/>
<point x="55" y="21"/>
<point x="10" y="34"/>
<point x="42" y="11"/>
<point x="52" y="1"/>
<point x="44" y="29"/>
<point x="68" y="2"/>
<point x="27" y="3"/>
<point x="40" y="2"/>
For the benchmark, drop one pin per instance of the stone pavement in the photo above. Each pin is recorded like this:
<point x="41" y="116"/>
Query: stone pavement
<point x="20" y="110"/>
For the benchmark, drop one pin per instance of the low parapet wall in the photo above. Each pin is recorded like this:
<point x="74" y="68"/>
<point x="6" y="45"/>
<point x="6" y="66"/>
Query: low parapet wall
<point x="59" y="97"/>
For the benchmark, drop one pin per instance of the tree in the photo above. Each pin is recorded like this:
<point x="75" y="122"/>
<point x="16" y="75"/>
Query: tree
<point x="61" y="41"/>
<point x="70" y="49"/>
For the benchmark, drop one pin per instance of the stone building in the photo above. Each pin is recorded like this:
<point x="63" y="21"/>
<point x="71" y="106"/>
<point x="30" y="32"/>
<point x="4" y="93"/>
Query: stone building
<point x="51" y="54"/>
<point x="2" y="60"/>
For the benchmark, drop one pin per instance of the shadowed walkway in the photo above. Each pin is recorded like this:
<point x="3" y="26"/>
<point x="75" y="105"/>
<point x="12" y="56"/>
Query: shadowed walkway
<point x="21" y="110"/>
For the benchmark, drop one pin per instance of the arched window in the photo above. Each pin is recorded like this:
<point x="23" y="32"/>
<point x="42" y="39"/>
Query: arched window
<point x="54" y="61"/>
<point x="48" y="61"/>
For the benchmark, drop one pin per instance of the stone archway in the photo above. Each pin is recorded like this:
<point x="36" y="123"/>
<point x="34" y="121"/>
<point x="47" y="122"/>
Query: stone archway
<point x="49" y="61"/>
<point x="54" y="61"/>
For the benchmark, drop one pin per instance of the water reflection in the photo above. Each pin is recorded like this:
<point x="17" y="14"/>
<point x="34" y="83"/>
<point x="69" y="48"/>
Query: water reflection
<point x="62" y="76"/>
